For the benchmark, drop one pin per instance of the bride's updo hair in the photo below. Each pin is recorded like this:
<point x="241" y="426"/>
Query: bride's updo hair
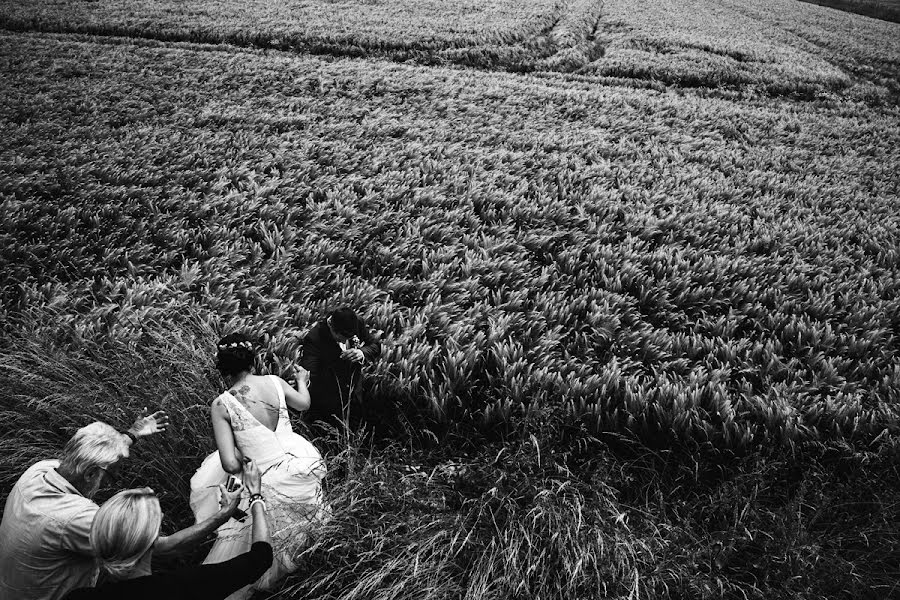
<point x="235" y="354"/>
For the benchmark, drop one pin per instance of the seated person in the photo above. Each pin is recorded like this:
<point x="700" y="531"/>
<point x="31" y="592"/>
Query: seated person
<point x="334" y="352"/>
<point x="125" y="529"/>
<point x="45" y="548"/>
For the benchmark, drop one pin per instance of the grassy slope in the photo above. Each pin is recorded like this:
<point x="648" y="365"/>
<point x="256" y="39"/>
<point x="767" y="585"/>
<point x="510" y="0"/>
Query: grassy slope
<point x="731" y="262"/>
<point x="888" y="10"/>
<point x="776" y="47"/>
<point x="507" y="34"/>
<point x="367" y="23"/>
<point x="507" y="235"/>
<point x="779" y="46"/>
<point x="556" y="514"/>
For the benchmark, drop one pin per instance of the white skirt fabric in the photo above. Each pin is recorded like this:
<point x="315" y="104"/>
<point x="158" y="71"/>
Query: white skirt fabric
<point x="292" y="472"/>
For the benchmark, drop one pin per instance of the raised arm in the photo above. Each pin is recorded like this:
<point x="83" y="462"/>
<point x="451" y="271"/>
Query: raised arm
<point x="147" y="424"/>
<point x="228" y="452"/>
<point x="298" y="398"/>
<point x="190" y="537"/>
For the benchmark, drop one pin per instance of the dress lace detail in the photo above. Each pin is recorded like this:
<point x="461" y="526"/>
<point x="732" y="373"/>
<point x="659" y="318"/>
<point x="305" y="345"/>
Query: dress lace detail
<point x="241" y="417"/>
<point x="292" y="471"/>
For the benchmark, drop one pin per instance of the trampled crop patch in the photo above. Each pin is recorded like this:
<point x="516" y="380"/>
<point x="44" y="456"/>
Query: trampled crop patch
<point x="399" y="23"/>
<point x="773" y="47"/>
<point x="502" y="34"/>
<point x="668" y="264"/>
<point x="781" y="47"/>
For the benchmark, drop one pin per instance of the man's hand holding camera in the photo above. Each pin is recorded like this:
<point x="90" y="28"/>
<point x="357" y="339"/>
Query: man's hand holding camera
<point x="354" y="355"/>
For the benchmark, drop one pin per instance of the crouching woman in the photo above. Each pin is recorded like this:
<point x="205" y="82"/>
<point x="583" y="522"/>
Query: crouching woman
<point x="123" y="533"/>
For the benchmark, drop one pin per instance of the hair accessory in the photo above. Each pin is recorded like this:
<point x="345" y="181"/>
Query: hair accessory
<point x="234" y="345"/>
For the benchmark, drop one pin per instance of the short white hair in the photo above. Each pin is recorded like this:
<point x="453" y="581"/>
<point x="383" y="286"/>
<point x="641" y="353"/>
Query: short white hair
<point x="94" y="445"/>
<point x="124" y="530"/>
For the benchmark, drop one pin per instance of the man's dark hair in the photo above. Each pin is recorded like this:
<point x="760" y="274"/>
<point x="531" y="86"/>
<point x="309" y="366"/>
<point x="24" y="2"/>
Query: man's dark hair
<point x="344" y="321"/>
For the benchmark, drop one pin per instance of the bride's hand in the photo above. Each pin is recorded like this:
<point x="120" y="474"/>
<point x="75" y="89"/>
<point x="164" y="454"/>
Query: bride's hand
<point x="252" y="477"/>
<point x="301" y="375"/>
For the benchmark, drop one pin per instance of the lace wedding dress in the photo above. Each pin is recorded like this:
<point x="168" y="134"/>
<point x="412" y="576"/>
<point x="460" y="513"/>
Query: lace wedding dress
<point x="292" y="471"/>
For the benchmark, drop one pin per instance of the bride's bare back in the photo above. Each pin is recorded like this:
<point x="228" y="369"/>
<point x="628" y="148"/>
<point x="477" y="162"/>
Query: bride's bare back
<point x="258" y="395"/>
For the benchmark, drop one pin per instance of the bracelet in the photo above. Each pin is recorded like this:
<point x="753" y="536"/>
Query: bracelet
<point x="259" y="501"/>
<point x="255" y="497"/>
<point x="131" y="436"/>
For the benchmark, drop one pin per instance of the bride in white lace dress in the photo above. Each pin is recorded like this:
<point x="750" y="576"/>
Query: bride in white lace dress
<point x="251" y="420"/>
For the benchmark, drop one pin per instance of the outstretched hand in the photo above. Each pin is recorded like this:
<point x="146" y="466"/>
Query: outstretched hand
<point x="146" y="424"/>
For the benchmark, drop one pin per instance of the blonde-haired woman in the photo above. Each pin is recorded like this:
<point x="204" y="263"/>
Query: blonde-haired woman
<point x="124" y="550"/>
<point x="123" y="534"/>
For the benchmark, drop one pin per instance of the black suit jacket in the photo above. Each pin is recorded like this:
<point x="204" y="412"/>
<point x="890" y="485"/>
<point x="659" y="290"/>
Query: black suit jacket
<point x="333" y="382"/>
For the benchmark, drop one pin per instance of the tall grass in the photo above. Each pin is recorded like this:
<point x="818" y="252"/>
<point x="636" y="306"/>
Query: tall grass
<point x="501" y="34"/>
<point x="639" y="344"/>
<point x="778" y="47"/>
<point x="678" y="267"/>
<point x="546" y="511"/>
<point x="56" y="381"/>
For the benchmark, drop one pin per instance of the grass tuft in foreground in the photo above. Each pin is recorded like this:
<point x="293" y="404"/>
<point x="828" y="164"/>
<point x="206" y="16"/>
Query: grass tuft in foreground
<point x="550" y="512"/>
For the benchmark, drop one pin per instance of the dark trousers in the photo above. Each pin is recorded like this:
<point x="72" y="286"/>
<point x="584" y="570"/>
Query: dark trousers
<point x="361" y="411"/>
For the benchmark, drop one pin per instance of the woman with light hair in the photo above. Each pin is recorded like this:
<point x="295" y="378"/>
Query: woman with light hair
<point x="124" y="531"/>
<point x="45" y="548"/>
<point x="123" y="534"/>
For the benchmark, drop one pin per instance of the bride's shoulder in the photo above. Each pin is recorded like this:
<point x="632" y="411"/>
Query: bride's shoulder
<point x="220" y="402"/>
<point x="226" y="395"/>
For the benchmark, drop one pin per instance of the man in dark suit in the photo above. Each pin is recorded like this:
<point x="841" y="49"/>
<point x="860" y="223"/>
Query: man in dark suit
<point x="334" y="352"/>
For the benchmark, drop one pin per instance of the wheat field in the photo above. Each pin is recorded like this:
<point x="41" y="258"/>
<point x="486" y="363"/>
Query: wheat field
<point x="634" y="267"/>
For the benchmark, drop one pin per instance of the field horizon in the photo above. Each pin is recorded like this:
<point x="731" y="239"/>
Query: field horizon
<point x="635" y="268"/>
<point x="887" y="10"/>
